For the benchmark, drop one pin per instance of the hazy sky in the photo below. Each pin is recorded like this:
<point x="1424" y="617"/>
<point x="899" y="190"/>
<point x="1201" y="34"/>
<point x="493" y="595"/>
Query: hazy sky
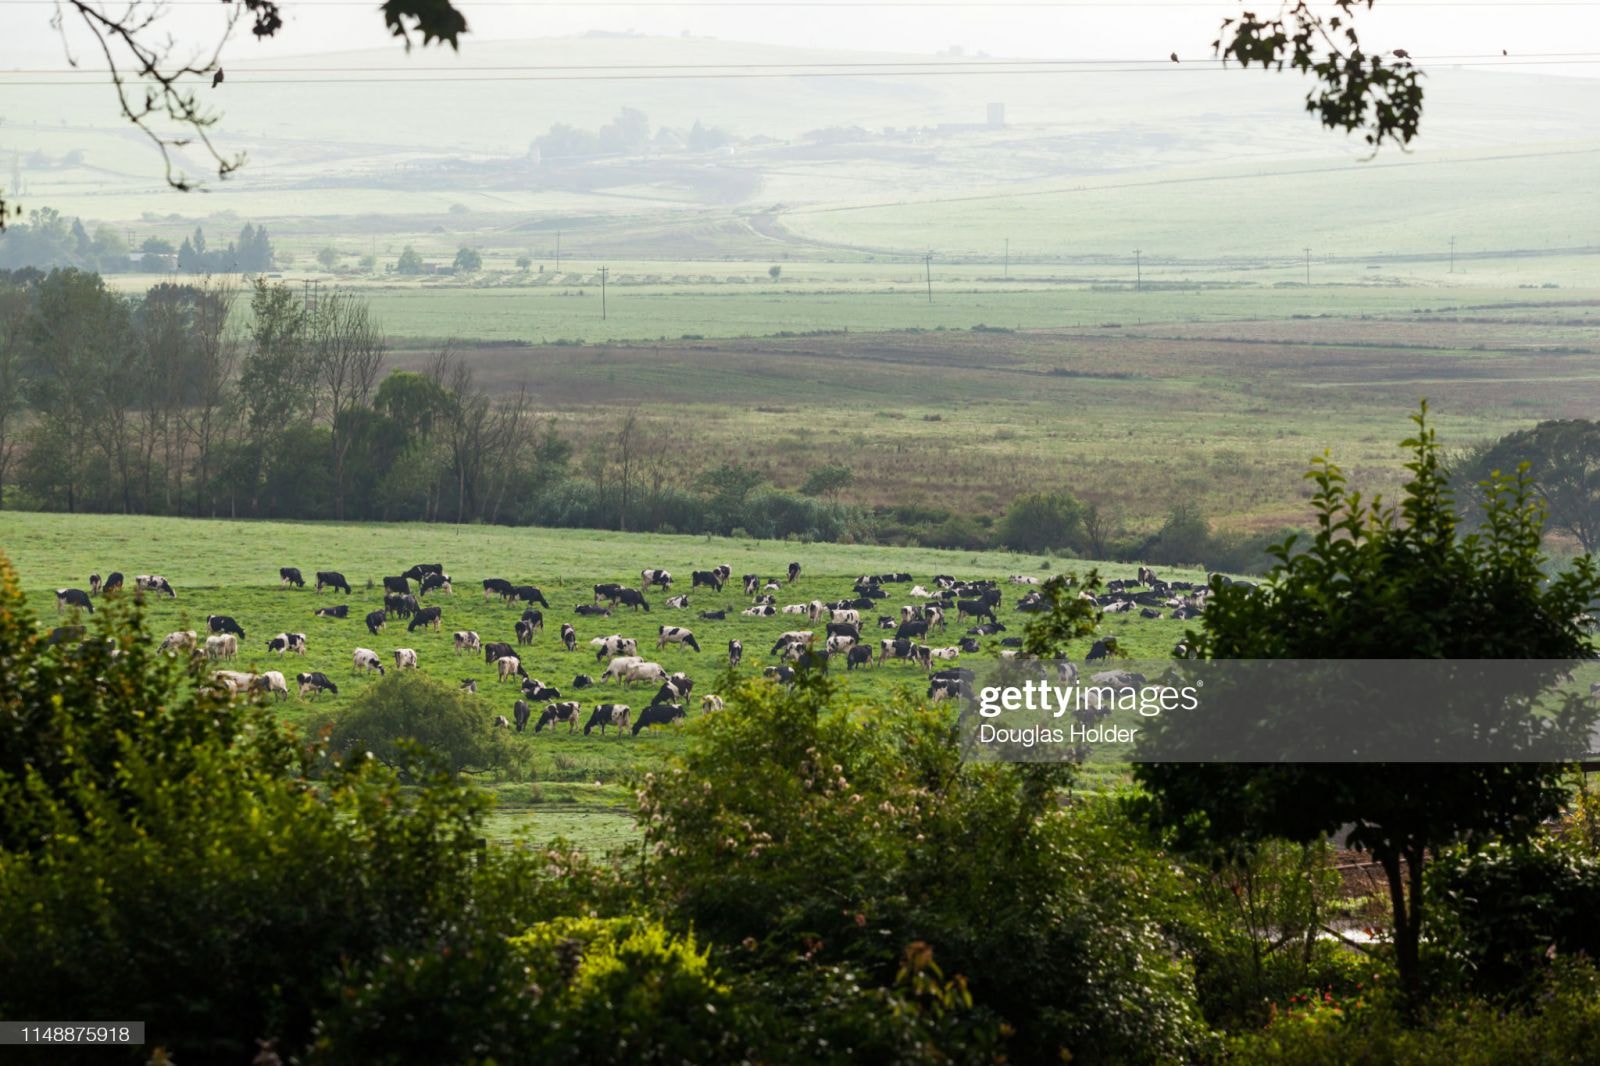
<point x="1108" y="29"/>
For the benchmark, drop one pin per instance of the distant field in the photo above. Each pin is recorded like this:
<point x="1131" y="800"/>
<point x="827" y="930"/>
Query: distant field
<point x="581" y="786"/>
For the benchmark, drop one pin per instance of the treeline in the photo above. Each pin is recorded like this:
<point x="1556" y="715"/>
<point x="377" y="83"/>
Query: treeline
<point x="627" y="134"/>
<point x="47" y="240"/>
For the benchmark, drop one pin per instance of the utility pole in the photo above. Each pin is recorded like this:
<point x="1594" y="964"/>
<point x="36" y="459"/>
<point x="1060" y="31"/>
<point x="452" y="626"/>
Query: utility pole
<point x="1138" y="272"/>
<point x="1308" y="267"/>
<point x="603" y="272"/>
<point x="1452" y="255"/>
<point x="927" y="263"/>
<point x="558" y="250"/>
<point x="1008" y="257"/>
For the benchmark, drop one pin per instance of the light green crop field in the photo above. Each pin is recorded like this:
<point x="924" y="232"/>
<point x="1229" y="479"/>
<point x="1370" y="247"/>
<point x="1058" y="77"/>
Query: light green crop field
<point x="581" y="786"/>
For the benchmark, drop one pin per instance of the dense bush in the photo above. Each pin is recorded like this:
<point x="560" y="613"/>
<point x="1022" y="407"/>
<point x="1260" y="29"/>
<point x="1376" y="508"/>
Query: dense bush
<point x="408" y="709"/>
<point x="1041" y="521"/>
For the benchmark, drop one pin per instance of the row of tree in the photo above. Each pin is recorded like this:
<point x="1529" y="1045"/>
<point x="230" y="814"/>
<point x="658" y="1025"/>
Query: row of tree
<point x="627" y="134"/>
<point x="48" y="239"/>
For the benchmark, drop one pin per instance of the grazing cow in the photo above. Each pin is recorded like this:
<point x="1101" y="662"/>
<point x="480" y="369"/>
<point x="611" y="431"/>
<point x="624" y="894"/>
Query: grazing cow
<point x="859" y="655"/>
<point x="588" y="611"/>
<point x="735" y="652"/>
<point x="431" y="617"/>
<point x="713" y="616"/>
<point x="221" y="623"/>
<point x="530" y="594"/>
<point x="112" y="583"/>
<point x="607" y="590"/>
<point x="222" y="646"/>
<point x="709" y="578"/>
<point x="582" y="681"/>
<point x="631" y="668"/>
<point x="988" y="629"/>
<point x="752" y="584"/>
<point x="676" y="635"/>
<point x="436" y="583"/>
<point x="508" y="666"/>
<point x="94" y="584"/>
<point x="469" y="685"/>
<point x="295" y="642"/>
<point x="605" y="714"/>
<point x="898" y="648"/>
<point x="840" y="642"/>
<point x="398" y="585"/>
<point x="234" y="680"/>
<point x="400" y="604"/>
<point x="569" y="637"/>
<point x="817" y="609"/>
<point x="680" y="683"/>
<point x="499" y="586"/>
<point x="332" y="579"/>
<point x="632" y="598"/>
<point x="784" y="675"/>
<point x="765" y="610"/>
<point x="495" y="649"/>
<point x="613" y="645"/>
<point x="723" y="571"/>
<point x="73" y="598"/>
<point x="678" y="601"/>
<point x="422" y="570"/>
<point x="365" y="659"/>
<point x="794" y="572"/>
<point x="1101" y="650"/>
<point x="521" y="711"/>
<point x="288" y="575"/>
<point x="524" y="632"/>
<point x="1147" y="576"/>
<point x="658" y="578"/>
<point x="272" y="681"/>
<point x="341" y="611"/>
<point x="500" y="722"/>
<point x="375" y="621"/>
<point x="405" y="658"/>
<point x="560" y="712"/>
<point x="797" y="638"/>
<point x="975" y="609"/>
<point x="178" y="640"/>
<point x="315" y="683"/>
<point x="538" y="691"/>
<point x="933" y="615"/>
<point x="886" y="622"/>
<point x="658" y="714"/>
<point x="467" y="640"/>
<point x="154" y="583"/>
<point x="909" y="630"/>
<point x="534" y="618"/>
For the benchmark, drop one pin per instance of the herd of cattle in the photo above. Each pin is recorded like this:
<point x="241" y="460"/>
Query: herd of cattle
<point x="836" y="633"/>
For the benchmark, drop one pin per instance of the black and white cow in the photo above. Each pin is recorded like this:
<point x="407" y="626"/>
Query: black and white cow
<point x="431" y="617"/>
<point x="752" y="584"/>
<point x="221" y="623"/>
<point x="792" y="639"/>
<point x="735" y="652"/>
<point x="466" y="640"/>
<point x="583" y="681"/>
<point x="524" y="632"/>
<point x="608" y="714"/>
<point x="422" y="570"/>
<point x="400" y="585"/>
<point x="73" y="598"/>
<point x="521" y="712"/>
<point x="909" y="630"/>
<point x="405" y="658"/>
<point x="94" y="584"/>
<point x="530" y="594"/>
<point x="614" y="645"/>
<point x="288" y="575"/>
<point x="496" y="649"/>
<point x="607" y="590"/>
<point x="974" y="609"/>
<point x="794" y="572"/>
<point x="713" y="616"/>
<point x="534" y="617"/>
<point x="400" y="604"/>
<point x="366" y="660"/>
<point x="566" y="711"/>
<point x="657" y="714"/>
<point x="587" y="610"/>
<point x="469" y="685"/>
<point x="569" y="636"/>
<point x="316" y="683"/>
<point x="538" y="691"/>
<point x="341" y="611"/>
<point x="332" y="579"/>
<point x="673" y="689"/>
<point x="659" y="578"/>
<point x="375" y="621"/>
<point x="1101" y="650"/>
<point x="509" y="666"/>
<point x="764" y="610"/>
<point x="435" y="583"/>
<point x="709" y="578"/>
<point x="497" y="586"/>
<point x="678" y="601"/>
<point x="676" y="635"/>
<point x="632" y="598"/>
<point x="284" y="642"/>
<point x="858" y="655"/>
<point x="154" y="583"/>
<point x="968" y="644"/>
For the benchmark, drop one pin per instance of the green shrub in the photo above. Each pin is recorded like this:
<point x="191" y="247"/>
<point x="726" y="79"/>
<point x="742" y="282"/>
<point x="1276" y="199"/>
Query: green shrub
<point x="408" y="710"/>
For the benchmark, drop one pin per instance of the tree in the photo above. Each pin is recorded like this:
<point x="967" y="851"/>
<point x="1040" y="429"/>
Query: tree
<point x="828" y="480"/>
<point x="328" y="257"/>
<point x="1040" y="521"/>
<point x="410" y="262"/>
<point x="407" y="709"/>
<point x="468" y="261"/>
<point x="523" y="263"/>
<point x="774" y="271"/>
<point x="1388" y="583"/>
<point x="1563" y="460"/>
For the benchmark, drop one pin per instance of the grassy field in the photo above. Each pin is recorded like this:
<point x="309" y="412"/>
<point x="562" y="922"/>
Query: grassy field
<point x="580" y="786"/>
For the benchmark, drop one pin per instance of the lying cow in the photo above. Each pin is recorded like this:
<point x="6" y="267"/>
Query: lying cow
<point x="341" y="611"/>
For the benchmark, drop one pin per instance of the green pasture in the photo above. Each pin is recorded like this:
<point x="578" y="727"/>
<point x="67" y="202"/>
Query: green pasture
<point x="580" y="787"/>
